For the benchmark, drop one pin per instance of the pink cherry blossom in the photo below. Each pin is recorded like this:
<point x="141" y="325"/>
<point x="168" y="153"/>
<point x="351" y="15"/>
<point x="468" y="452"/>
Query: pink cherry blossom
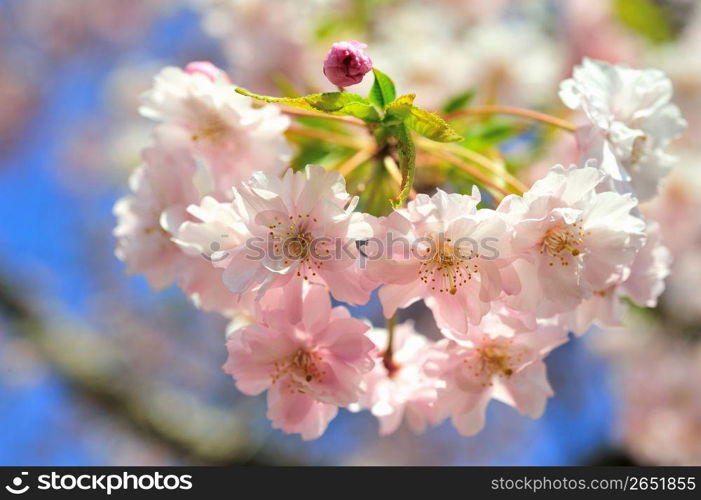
<point x="231" y="137"/>
<point x="571" y="241"/>
<point x="676" y="209"/>
<point x="148" y="218"/>
<point x="630" y="120"/>
<point x="649" y="270"/>
<point x="212" y="229"/>
<point x="309" y="357"/>
<point x="402" y="390"/>
<point x="507" y="366"/>
<point x="642" y="284"/>
<point x="218" y="209"/>
<point x="677" y="206"/>
<point x="300" y="227"/>
<point x="444" y="250"/>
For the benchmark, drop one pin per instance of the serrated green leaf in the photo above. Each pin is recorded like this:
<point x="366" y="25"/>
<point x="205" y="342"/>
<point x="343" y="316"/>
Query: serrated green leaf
<point x="401" y="104"/>
<point x="407" y="163"/>
<point x="431" y="125"/>
<point x="335" y="103"/>
<point x="362" y="110"/>
<point x="297" y="102"/>
<point x="398" y="110"/>
<point x="332" y="102"/>
<point x="428" y="124"/>
<point x="344" y="103"/>
<point x="382" y="91"/>
<point x="458" y="102"/>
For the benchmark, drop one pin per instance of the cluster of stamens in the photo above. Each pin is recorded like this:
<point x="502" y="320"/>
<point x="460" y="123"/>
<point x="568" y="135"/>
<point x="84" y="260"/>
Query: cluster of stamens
<point x="211" y="126"/>
<point x="292" y="242"/>
<point x="492" y="358"/>
<point x="444" y="268"/>
<point x="638" y="149"/>
<point x="560" y="242"/>
<point x="302" y="368"/>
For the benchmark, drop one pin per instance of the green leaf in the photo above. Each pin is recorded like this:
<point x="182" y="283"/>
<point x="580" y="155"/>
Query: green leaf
<point x="645" y="17"/>
<point x="362" y="110"/>
<point x="431" y="125"/>
<point x="407" y="163"/>
<point x="398" y="110"/>
<point x="428" y="124"/>
<point x="344" y="103"/>
<point x="459" y="101"/>
<point x="335" y="103"/>
<point x="382" y="91"/>
<point x="297" y="102"/>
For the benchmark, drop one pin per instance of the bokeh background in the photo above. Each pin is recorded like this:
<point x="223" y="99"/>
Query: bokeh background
<point x="96" y="369"/>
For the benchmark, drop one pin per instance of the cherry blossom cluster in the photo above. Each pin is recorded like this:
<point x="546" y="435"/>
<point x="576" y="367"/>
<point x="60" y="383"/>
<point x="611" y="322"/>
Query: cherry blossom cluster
<point x="217" y="210"/>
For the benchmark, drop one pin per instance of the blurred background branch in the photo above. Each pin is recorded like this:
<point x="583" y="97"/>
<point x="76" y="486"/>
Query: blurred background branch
<point x="94" y="366"/>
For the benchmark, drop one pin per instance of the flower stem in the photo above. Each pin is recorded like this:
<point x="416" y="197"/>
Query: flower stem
<point x="514" y="111"/>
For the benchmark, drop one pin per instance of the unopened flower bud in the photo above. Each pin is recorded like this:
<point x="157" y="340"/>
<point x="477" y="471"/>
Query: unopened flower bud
<point x="346" y="63"/>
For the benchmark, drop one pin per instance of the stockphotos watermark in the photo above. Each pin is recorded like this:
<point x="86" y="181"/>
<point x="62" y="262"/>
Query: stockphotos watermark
<point x="323" y="248"/>
<point x="107" y="483"/>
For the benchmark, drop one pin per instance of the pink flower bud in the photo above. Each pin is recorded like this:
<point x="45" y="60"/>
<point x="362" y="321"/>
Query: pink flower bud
<point x="346" y="63"/>
<point x="207" y="69"/>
